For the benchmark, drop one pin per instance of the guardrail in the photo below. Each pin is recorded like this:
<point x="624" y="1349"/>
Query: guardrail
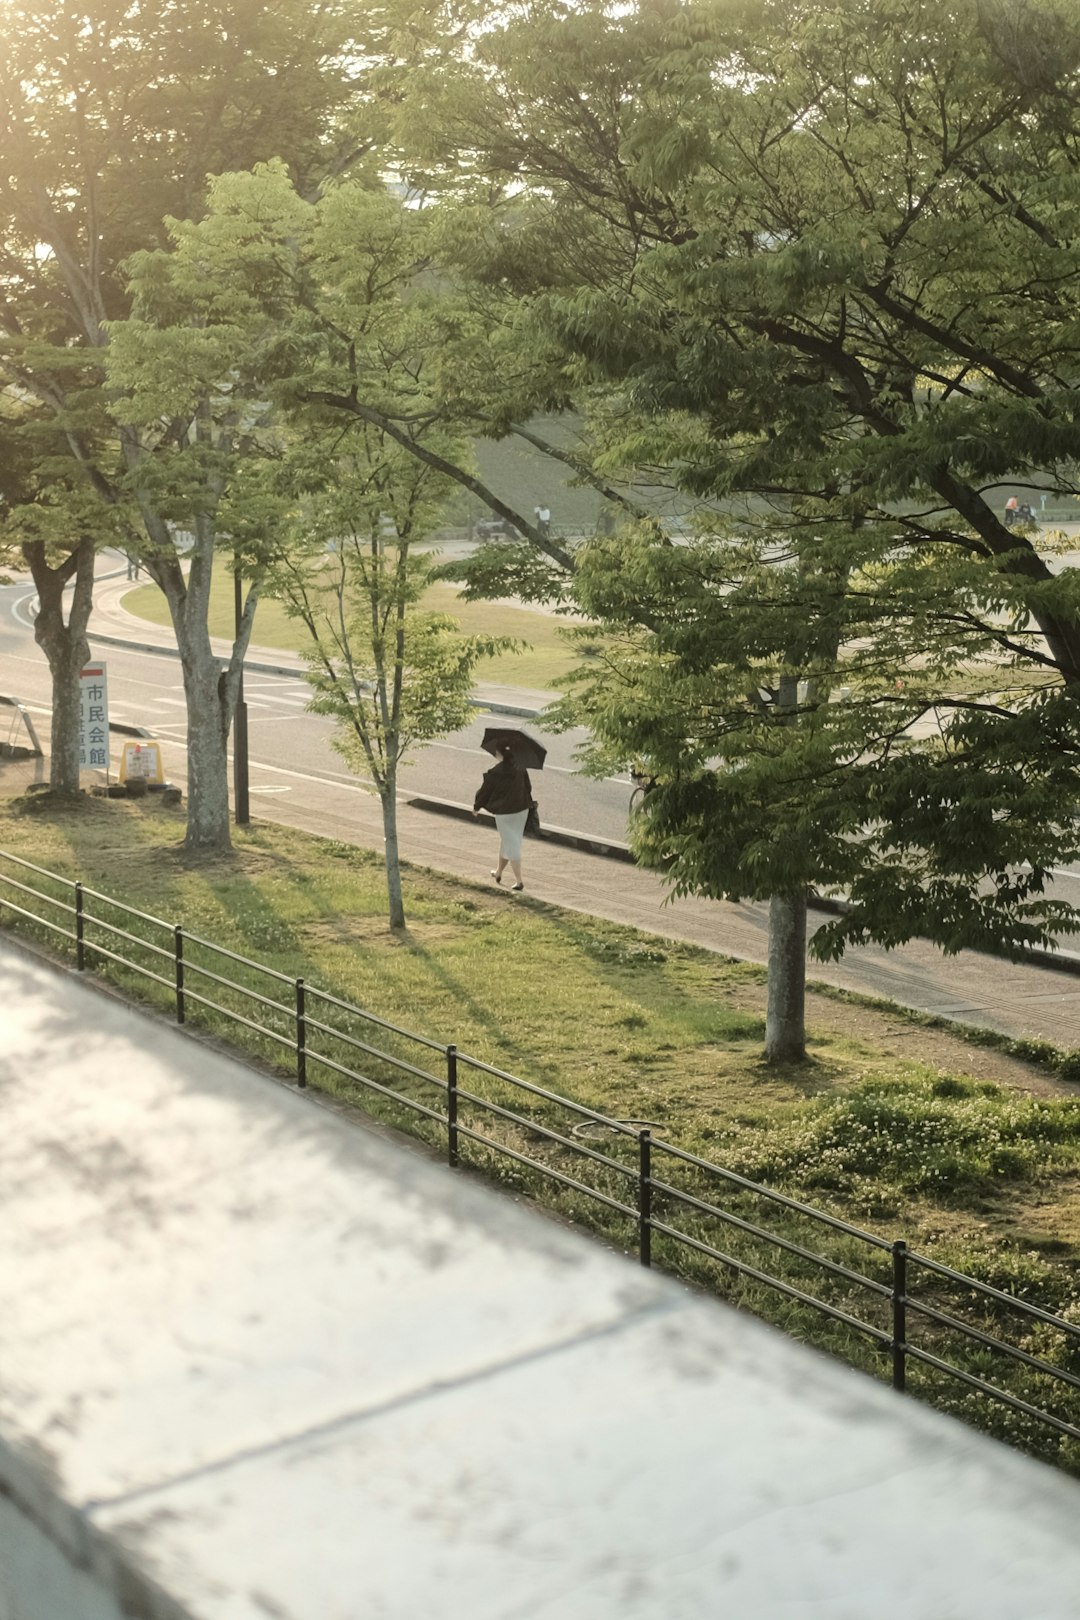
<point x="891" y="1311"/>
<point x="21" y="714"/>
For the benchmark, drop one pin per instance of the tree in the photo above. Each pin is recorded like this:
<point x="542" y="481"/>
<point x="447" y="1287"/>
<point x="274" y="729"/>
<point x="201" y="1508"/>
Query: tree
<point x="109" y="120"/>
<point x="53" y="530"/>
<point x="766" y="789"/>
<point x="819" y="260"/>
<point x="202" y="448"/>
<point x="245" y="335"/>
<point x="389" y="673"/>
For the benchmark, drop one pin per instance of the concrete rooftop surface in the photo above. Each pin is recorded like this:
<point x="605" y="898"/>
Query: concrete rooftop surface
<point x="258" y="1361"/>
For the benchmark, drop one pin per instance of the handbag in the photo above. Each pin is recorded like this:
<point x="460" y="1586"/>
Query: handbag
<point x="532" y="820"/>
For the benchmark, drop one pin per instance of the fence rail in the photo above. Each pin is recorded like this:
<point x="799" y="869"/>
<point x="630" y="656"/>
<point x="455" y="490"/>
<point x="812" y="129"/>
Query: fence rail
<point x="894" y="1312"/>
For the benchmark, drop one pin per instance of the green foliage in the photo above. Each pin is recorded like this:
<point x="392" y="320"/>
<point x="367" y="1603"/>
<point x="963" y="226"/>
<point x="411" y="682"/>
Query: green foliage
<point x="503" y="568"/>
<point x="631" y="1032"/>
<point x="764" y="698"/>
<point x="930" y="1135"/>
<point x="814" y="267"/>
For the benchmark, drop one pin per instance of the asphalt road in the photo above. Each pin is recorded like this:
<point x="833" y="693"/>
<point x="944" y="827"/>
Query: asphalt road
<point x="292" y="759"/>
<point x="291" y="752"/>
<point x="298" y="781"/>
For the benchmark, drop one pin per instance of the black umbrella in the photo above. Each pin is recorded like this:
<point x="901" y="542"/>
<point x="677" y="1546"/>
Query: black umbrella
<point x="527" y="751"/>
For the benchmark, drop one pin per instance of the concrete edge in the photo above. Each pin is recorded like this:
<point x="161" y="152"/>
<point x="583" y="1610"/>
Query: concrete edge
<point x="612" y="849"/>
<point x="1036" y="956"/>
<point x="290" y="672"/>
<point x="1055" y="961"/>
<point x="609" y="847"/>
<point x="123" y="730"/>
<point x="84" y="1548"/>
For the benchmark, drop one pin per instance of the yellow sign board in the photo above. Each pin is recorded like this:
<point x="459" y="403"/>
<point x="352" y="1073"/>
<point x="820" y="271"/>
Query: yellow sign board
<point x="142" y="760"/>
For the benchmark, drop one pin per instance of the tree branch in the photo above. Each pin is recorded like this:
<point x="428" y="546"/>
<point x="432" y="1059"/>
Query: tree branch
<point x="449" y="469"/>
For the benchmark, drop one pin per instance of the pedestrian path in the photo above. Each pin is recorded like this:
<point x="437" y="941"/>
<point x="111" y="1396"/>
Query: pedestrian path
<point x="1014" y="999"/>
<point x="1028" y="1001"/>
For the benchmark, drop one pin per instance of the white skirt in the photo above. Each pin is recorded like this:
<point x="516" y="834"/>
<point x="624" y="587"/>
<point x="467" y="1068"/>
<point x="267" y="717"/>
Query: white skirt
<point x="511" y="832"/>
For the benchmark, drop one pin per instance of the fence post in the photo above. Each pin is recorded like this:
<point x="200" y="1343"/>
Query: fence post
<point x="178" y="958"/>
<point x="645" y="1197"/>
<point x="80" y="925"/>
<point x="451" y="1106"/>
<point x="301" y="1036"/>
<point x="899" y="1314"/>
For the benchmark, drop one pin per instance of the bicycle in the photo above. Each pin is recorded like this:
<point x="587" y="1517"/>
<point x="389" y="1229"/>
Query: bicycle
<point x="643" y="786"/>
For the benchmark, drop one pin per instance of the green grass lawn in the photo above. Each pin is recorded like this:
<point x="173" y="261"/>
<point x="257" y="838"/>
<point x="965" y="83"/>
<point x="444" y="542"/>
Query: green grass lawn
<point x="545" y="655"/>
<point x="899" y="1127"/>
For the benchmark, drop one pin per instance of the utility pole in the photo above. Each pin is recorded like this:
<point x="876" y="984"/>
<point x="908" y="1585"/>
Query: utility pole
<point x="242" y="813"/>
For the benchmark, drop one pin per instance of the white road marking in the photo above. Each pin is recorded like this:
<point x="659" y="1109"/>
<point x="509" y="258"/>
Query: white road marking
<point x="276" y="714"/>
<point x="351" y="784"/>
<point x="18" y="658"/>
<point x="32" y="610"/>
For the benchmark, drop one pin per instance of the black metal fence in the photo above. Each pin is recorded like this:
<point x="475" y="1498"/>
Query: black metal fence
<point x="964" y="1344"/>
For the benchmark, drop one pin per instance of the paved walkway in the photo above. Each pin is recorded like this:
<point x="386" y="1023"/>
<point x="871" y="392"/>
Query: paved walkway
<point x="1015" y="999"/>
<point x="1028" y="1001"/>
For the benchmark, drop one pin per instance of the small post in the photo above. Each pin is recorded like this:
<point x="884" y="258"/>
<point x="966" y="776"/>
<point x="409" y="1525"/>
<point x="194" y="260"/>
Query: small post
<point x="301" y="1036"/>
<point x="178" y="958"/>
<point x="899" y="1314"/>
<point x="80" y="929"/>
<point x="241" y="802"/>
<point x="451" y="1106"/>
<point x="645" y="1197"/>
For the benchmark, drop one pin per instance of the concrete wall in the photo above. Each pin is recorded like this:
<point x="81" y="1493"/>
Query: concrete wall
<point x="259" y="1364"/>
<point x="55" y="1566"/>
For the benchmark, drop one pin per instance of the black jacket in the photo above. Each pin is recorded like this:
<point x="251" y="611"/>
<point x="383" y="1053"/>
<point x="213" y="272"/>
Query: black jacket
<point x="505" y="790"/>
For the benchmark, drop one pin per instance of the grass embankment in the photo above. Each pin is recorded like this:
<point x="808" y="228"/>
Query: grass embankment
<point x="900" y="1128"/>
<point x="545" y="655"/>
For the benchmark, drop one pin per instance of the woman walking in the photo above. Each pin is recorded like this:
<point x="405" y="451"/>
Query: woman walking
<point x="507" y="792"/>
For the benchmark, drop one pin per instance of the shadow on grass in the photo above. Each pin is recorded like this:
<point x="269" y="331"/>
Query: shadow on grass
<point x="480" y="1012"/>
<point x="634" y="964"/>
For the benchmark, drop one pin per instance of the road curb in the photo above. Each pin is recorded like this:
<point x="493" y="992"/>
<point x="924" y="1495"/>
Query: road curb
<point x="292" y="672"/>
<point x="611" y="848"/>
<point x="1053" y="961"/>
<point x="123" y="730"/>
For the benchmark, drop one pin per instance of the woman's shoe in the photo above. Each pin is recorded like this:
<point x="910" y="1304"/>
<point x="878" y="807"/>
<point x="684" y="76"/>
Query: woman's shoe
<point x="515" y="888"/>
<point x="497" y="876"/>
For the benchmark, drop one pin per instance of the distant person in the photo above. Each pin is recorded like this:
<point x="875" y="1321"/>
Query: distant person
<point x="133" y="566"/>
<point x="507" y="793"/>
<point x="1012" y="507"/>
<point x="543" y="520"/>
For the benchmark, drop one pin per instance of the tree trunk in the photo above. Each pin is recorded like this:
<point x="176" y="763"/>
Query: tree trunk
<point x="210" y="687"/>
<point x="785" y="1018"/>
<point x="208" y="829"/>
<point x="65" y="647"/>
<point x="393" y="857"/>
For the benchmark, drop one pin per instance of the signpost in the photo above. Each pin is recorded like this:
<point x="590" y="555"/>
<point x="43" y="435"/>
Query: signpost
<point x="94" y="718"/>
